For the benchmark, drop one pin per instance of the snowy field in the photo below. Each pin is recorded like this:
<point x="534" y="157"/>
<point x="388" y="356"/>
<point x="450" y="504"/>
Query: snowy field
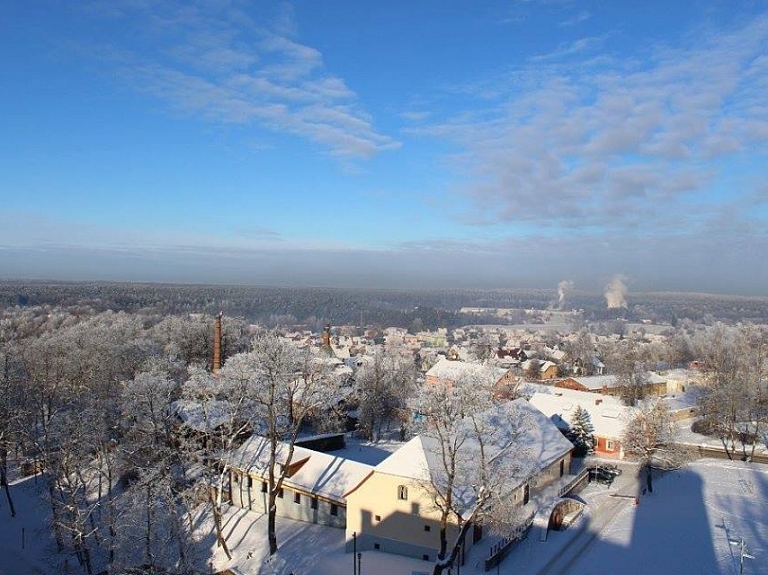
<point x="688" y="524"/>
<point x="685" y="526"/>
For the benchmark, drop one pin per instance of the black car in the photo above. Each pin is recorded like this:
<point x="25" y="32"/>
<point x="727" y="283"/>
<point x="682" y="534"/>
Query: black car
<point x="604" y="474"/>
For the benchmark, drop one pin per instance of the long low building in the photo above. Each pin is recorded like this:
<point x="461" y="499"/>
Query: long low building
<point x="313" y="490"/>
<point x="389" y="507"/>
<point x="654" y="384"/>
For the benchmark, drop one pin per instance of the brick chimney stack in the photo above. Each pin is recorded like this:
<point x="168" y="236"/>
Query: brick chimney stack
<point x="327" y="336"/>
<point x="217" y="344"/>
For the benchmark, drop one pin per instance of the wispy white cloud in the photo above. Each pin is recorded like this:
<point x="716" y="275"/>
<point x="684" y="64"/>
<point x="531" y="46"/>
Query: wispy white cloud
<point x="213" y="60"/>
<point x="578" y="46"/>
<point x="577" y="19"/>
<point x="615" y="144"/>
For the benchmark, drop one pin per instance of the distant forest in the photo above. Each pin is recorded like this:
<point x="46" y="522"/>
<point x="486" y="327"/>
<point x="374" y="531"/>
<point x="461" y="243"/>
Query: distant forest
<point x="314" y="307"/>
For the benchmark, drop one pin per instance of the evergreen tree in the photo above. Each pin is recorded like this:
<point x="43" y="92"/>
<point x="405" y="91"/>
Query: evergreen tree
<point x="582" y="432"/>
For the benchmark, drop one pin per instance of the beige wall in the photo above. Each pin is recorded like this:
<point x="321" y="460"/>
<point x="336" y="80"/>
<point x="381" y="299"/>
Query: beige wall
<point x="295" y="504"/>
<point x="379" y="517"/>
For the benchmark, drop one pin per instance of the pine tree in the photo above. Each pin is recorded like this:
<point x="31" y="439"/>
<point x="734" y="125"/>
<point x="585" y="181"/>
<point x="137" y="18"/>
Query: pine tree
<point x="581" y="432"/>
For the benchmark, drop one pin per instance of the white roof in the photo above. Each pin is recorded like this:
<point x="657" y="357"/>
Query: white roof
<point x="541" y="442"/>
<point x="596" y="381"/>
<point x="455" y="370"/>
<point x="607" y="414"/>
<point x="600" y="381"/>
<point x="322" y="474"/>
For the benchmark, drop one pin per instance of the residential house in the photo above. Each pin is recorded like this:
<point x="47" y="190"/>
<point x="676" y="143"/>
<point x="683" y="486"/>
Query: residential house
<point x="593" y="366"/>
<point x="608" y="416"/>
<point x="542" y="369"/>
<point x="448" y="372"/>
<point x="655" y="385"/>
<point x="392" y="509"/>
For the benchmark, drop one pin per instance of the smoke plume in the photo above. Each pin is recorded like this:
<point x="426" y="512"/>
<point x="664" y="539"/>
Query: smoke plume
<point x="562" y="292"/>
<point x="615" y="293"/>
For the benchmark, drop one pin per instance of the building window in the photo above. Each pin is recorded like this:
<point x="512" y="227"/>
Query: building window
<point x="334" y="509"/>
<point x="250" y="481"/>
<point x="236" y="477"/>
<point x="376" y="546"/>
<point x="425" y="557"/>
<point x="297" y="498"/>
<point x="402" y="492"/>
<point x="427" y="528"/>
<point x="280" y="493"/>
<point x="313" y="503"/>
<point x="377" y="517"/>
<point x="263" y="486"/>
<point x="609" y="445"/>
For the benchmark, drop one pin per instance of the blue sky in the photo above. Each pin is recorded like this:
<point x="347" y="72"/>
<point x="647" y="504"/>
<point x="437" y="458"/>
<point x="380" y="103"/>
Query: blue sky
<point x="386" y="144"/>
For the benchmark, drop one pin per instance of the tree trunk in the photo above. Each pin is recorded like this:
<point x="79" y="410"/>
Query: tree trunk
<point x="271" y="514"/>
<point x="4" y="479"/>
<point x="55" y="514"/>
<point x="444" y="563"/>
<point x="724" y="440"/>
<point x="148" y="534"/>
<point x="217" y="523"/>
<point x="648" y="478"/>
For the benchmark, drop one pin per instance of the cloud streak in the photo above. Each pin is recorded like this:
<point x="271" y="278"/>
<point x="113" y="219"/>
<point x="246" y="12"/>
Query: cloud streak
<point x="591" y="141"/>
<point x="218" y="63"/>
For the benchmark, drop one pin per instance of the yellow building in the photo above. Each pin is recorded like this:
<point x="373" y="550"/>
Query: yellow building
<point x="392" y="509"/>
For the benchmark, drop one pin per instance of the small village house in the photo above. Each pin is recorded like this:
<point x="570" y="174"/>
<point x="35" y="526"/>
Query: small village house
<point x="391" y="509"/>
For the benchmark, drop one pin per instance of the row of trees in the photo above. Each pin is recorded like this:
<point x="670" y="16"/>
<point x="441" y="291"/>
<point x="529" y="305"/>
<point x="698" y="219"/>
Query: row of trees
<point x="734" y="397"/>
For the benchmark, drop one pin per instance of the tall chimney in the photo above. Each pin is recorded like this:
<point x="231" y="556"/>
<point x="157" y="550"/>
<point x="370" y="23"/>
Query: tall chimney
<point x="217" y="344"/>
<point x="327" y="336"/>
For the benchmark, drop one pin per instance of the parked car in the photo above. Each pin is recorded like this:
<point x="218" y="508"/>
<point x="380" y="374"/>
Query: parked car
<point x="604" y="474"/>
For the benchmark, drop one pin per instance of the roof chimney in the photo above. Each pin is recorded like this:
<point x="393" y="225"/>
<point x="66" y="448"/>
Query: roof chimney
<point x="327" y="336"/>
<point x="217" y="344"/>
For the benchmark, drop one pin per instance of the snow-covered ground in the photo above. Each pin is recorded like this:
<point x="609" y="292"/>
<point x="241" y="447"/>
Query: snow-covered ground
<point x="685" y="526"/>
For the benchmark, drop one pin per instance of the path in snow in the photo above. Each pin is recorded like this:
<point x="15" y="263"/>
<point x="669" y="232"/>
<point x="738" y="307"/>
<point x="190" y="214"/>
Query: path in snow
<point x="595" y="522"/>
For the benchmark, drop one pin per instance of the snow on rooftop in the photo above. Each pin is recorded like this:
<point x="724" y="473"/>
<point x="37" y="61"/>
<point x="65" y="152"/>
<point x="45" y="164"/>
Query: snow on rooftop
<point x="607" y="414"/>
<point x="541" y="441"/>
<point x="454" y="370"/>
<point x="325" y="474"/>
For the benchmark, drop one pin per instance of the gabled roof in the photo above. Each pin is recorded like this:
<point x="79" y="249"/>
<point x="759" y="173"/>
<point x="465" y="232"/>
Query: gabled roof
<point x="536" y="436"/>
<point x="600" y="381"/>
<point x="319" y="473"/>
<point x="608" y="415"/>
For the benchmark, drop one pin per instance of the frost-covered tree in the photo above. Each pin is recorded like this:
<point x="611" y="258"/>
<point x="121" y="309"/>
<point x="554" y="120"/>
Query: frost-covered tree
<point x="649" y="436"/>
<point x="628" y="362"/>
<point x="277" y="388"/>
<point x="477" y="457"/>
<point x="11" y="406"/>
<point x="581" y="350"/>
<point x="581" y="432"/>
<point x="384" y="386"/>
<point x="733" y="398"/>
<point x="152" y="525"/>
